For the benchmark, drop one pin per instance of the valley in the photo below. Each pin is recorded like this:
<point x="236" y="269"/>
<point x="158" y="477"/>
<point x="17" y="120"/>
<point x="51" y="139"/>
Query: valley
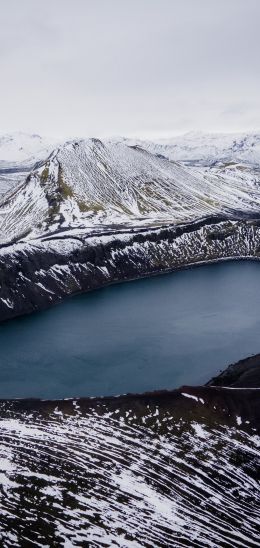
<point x="173" y="466"/>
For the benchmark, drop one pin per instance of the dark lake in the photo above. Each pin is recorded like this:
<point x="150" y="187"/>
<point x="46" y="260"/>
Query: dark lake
<point x="161" y="332"/>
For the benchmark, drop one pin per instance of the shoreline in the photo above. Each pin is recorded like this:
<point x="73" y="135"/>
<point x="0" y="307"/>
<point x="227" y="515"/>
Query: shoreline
<point x="243" y="375"/>
<point x="35" y="277"/>
<point x="144" y="276"/>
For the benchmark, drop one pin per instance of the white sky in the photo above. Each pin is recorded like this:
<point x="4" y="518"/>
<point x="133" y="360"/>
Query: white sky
<point x="129" y="67"/>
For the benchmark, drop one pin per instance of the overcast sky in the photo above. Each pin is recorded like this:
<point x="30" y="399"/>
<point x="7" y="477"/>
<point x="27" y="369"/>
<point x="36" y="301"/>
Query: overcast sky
<point x="129" y="67"/>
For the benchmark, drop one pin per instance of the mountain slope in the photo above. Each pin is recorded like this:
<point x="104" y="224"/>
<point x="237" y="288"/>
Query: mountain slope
<point x="167" y="469"/>
<point x="18" y="154"/>
<point x="93" y="184"/>
<point x="99" y="212"/>
<point x="23" y="150"/>
<point x="205" y="149"/>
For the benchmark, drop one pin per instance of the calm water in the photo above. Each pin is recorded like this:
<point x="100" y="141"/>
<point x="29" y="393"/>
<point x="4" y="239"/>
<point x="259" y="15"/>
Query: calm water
<point x="150" y="334"/>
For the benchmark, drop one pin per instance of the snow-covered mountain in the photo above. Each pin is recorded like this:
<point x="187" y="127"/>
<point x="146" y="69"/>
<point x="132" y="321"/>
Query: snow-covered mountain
<point x="206" y="149"/>
<point x="90" y="183"/>
<point x="18" y="154"/>
<point x="23" y="150"/>
<point x="131" y="470"/>
<point x="106" y="211"/>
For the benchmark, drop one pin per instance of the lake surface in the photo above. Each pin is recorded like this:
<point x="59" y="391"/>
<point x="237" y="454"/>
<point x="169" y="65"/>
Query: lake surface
<point x="161" y="332"/>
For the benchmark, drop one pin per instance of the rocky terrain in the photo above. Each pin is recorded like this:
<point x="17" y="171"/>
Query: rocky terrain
<point x="243" y="374"/>
<point x="166" y="469"/>
<point x="95" y="213"/>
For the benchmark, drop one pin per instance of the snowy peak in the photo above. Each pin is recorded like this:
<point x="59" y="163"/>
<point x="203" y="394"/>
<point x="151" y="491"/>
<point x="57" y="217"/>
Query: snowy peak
<point x="94" y="184"/>
<point x="98" y="212"/>
<point x="205" y="149"/>
<point x="23" y="149"/>
<point x="119" y="182"/>
<point x="19" y="153"/>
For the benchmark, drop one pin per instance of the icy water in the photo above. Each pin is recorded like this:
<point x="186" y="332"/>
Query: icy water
<point x="161" y="332"/>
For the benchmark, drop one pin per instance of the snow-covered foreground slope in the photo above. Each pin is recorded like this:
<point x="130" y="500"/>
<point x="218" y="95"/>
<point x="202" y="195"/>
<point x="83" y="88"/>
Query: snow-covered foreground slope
<point x="159" y="470"/>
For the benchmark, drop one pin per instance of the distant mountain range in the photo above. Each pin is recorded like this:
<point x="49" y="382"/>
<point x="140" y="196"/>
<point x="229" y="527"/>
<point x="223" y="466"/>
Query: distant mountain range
<point x="206" y="148"/>
<point x="18" y="154"/>
<point x="24" y="149"/>
<point x="19" y="151"/>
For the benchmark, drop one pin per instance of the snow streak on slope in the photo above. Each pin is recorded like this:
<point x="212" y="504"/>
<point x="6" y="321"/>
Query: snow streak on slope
<point x="10" y="180"/>
<point x="22" y="210"/>
<point x="129" y="474"/>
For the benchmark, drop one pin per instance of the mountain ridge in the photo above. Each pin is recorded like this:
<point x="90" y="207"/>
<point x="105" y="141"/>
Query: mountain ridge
<point x="205" y="149"/>
<point x="96" y="212"/>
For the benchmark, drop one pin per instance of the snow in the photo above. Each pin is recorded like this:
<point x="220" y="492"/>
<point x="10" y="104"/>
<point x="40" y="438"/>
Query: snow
<point x="18" y="154"/>
<point x="8" y="302"/>
<point x="92" y="185"/>
<point x="199" y="430"/>
<point x="190" y="396"/>
<point x="127" y="480"/>
<point x="24" y="149"/>
<point x="108" y="482"/>
<point x="200" y="148"/>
